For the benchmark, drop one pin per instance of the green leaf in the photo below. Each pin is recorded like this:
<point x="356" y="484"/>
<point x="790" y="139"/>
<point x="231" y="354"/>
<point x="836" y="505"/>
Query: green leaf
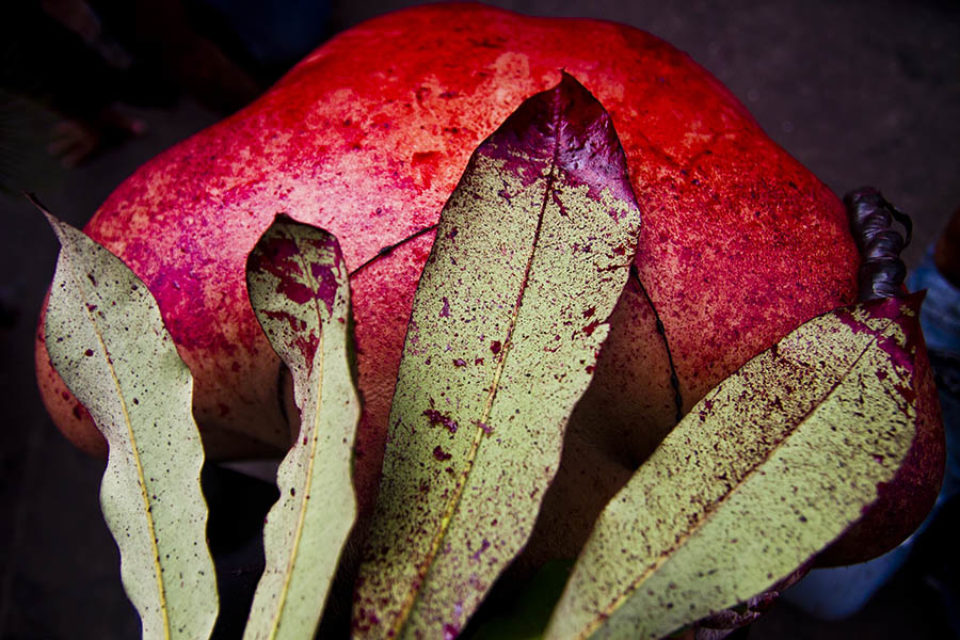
<point x="107" y="341"/>
<point x="774" y="464"/>
<point x="298" y="287"/>
<point x="531" y="253"/>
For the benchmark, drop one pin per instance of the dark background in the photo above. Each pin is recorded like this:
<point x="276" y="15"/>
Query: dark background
<point x="860" y="92"/>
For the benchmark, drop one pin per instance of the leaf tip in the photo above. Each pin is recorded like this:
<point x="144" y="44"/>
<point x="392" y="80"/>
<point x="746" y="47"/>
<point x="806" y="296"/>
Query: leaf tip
<point x="55" y="223"/>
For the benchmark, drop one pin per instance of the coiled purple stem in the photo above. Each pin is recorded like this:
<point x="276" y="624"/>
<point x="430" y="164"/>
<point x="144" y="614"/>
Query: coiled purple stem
<point x="872" y="220"/>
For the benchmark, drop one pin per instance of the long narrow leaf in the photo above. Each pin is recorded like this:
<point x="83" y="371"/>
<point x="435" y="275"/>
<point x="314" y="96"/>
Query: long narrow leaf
<point x="532" y="251"/>
<point x="764" y="472"/>
<point x="298" y="288"/>
<point x="107" y="341"/>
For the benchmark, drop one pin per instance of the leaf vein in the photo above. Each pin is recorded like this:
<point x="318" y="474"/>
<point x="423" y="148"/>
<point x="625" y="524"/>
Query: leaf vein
<point x="444" y="526"/>
<point x="712" y="508"/>
<point x="314" y="441"/>
<point x="141" y="479"/>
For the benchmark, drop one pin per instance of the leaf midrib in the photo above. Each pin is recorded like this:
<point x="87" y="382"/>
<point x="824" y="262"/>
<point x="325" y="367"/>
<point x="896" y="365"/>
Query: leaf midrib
<point x="314" y="442"/>
<point x="141" y="479"/>
<point x="708" y="513"/>
<point x="443" y="527"/>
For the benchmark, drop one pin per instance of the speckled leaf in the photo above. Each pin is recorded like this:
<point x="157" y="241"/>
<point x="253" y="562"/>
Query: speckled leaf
<point x="532" y="251"/>
<point x="297" y="281"/>
<point x="107" y="340"/>
<point x="774" y="464"/>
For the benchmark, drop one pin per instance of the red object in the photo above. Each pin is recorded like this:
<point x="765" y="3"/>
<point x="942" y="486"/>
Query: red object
<point x="367" y="138"/>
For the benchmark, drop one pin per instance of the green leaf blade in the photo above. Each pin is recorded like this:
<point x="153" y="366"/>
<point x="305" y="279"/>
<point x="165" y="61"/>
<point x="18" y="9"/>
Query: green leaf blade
<point x="107" y="341"/>
<point x="533" y="249"/>
<point x="773" y="465"/>
<point x="298" y="287"/>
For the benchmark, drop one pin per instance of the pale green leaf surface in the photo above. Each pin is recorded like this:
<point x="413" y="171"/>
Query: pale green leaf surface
<point x="298" y="287"/>
<point x="531" y="254"/>
<point x="107" y="341"/>
<point x="763" y="473"/>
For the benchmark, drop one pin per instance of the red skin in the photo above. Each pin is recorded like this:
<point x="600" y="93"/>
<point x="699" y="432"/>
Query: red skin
<point x="367" y="138"/>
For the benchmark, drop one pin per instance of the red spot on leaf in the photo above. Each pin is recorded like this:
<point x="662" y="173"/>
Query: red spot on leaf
<point x="590" y="328"/>
<point x="294" y="291"/>
<point x="283" y="316"/>
<point x="440" y="454"/>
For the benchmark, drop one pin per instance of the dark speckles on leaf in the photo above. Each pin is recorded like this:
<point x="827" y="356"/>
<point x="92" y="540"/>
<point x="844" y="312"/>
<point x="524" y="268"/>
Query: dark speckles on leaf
<point x="291" y="270"/>
<point x="483" y="426"/>
<point x="484" y="545"/>
<point x="450" y="632"/>
<point x="436" y="418"/>
<point x="790" y="430"/>
<point x="155" y="448"/>
<point x="590" y="328"/>
<point x="512" y="244"/>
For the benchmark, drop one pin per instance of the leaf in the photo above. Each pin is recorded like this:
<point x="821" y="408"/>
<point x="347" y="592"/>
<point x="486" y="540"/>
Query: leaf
<point x="298" y="287"/>
<point x="775" y="463"/>
<point x="107" y="341"/>
<point x="531" y="253"/>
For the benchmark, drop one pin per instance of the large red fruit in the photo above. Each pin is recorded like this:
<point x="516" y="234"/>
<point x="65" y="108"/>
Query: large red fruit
<point x="367" y="138"/>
